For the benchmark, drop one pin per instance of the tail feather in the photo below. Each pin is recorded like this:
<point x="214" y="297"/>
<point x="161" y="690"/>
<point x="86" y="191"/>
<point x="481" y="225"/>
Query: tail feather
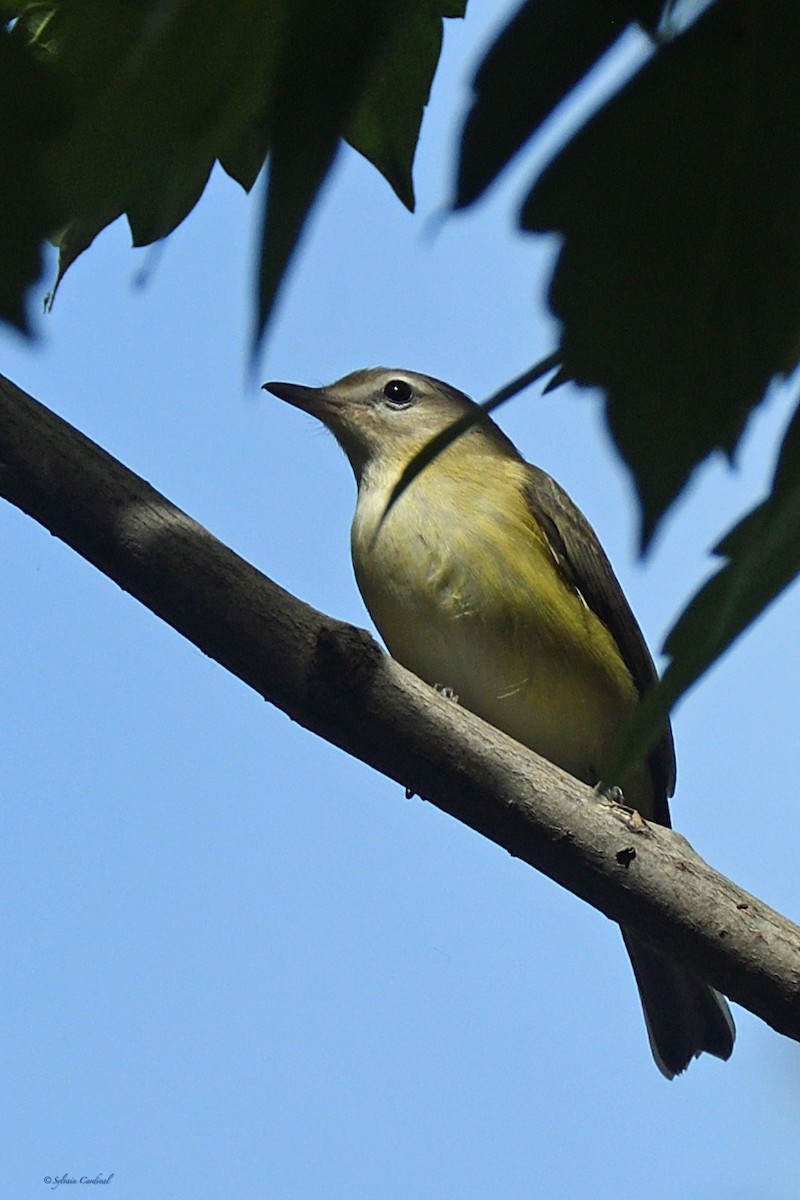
<point x="684" y="1015"/>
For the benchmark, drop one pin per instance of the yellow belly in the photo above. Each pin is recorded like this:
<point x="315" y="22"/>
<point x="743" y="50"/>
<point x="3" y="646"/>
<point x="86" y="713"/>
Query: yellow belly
<point x="469" y="597"/>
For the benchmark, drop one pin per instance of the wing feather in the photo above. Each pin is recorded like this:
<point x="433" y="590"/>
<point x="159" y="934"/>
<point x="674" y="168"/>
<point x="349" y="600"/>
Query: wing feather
<point x="585" y="567"/>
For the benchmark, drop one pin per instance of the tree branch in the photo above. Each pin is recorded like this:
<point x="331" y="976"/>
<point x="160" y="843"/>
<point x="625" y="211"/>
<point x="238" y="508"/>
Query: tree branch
<point x="333" y="679"/>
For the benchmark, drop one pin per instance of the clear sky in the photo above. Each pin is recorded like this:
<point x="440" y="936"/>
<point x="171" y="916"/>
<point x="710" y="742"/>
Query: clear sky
<point x="237" y="963"/>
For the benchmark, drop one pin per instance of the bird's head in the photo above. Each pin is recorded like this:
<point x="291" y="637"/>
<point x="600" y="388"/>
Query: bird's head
<point x="384" y="416"/>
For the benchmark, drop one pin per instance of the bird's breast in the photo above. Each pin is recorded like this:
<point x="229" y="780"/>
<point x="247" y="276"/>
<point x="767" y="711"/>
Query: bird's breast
<point x="463" y="587"/>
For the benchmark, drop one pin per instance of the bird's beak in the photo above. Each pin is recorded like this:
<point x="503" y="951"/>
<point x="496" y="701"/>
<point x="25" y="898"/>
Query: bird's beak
<point x="317" y="401"/>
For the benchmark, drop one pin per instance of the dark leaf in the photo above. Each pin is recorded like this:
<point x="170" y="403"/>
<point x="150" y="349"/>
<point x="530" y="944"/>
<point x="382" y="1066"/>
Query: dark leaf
<point x="386" y="124"/>
<point x="762" y="556"/>
<point x="31" y="118"/>
<point x="536" y="61"/>
<point x="678" y="284"/>
<point x="159" y="90"/>
<point x="326" y="67"/>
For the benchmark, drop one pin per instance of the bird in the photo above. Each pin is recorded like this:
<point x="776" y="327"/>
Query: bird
<point x="483" y="577"/>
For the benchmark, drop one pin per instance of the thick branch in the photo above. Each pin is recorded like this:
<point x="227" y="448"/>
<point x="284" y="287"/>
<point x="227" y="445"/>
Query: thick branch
<point x="333" y="679"/>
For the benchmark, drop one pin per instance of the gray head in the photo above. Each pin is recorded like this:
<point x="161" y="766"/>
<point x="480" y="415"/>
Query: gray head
<point x="384" y="415"/>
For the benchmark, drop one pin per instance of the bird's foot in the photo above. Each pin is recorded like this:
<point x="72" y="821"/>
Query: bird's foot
<point x="612" y="795"/>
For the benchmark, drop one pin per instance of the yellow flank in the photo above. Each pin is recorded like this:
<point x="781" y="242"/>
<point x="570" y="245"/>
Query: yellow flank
<point x="462" y="583"/>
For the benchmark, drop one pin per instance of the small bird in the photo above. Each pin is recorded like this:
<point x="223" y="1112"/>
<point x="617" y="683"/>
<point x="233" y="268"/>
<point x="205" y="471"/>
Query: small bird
<point x="484" y="577"/>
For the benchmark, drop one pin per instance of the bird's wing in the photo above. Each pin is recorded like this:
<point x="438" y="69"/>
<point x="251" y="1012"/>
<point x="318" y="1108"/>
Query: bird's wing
<point x="585" y="567"/>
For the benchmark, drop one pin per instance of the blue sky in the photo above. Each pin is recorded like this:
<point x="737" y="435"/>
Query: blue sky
<point x="238" y="963"/>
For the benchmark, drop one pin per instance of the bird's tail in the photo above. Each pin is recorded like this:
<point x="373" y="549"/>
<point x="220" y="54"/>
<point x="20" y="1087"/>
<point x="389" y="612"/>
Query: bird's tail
<point x="684" y="1015"/>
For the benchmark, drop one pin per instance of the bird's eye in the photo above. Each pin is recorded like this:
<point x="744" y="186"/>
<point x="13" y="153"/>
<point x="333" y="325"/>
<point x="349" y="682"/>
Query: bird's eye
<point x="398" y="393"/>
